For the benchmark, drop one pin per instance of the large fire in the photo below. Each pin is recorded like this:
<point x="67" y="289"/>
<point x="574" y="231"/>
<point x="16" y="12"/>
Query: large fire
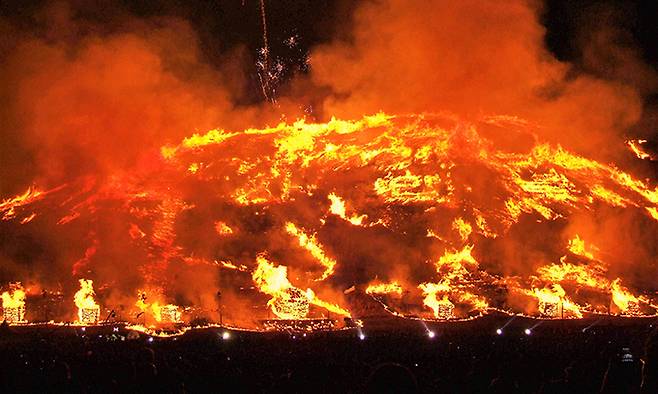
<point x="419" y="211"/>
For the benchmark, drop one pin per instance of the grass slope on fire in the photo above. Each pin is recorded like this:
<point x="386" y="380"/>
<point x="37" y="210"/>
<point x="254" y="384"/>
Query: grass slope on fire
<point x="432" y="215"/>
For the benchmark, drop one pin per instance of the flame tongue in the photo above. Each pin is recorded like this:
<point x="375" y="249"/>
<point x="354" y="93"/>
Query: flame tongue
<point x="9" y="207"/>
<point x="385" y="288"/>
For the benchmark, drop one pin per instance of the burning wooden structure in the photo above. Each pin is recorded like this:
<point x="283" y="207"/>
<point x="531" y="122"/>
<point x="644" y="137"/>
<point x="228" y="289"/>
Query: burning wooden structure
<point x="89" y="315"/>
<point x="13" y="304"/>
<point x="169" y="314"/>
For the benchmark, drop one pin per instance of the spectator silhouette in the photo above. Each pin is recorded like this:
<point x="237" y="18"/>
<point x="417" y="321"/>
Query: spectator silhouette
<point x="650" y="367"/>
<point x="391" y="378"/>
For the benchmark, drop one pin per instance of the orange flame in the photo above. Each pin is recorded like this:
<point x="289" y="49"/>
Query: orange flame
<point x="338" y="208"/>
<point x="13" y="304"/>
<point x="624" y="299"/>
<point x="88" y="309"/>
<point x="314" y="248"/>
<point x="8" y="206"/>
<point x="436" y="298"/>
<point x="636" y="147"/>
<point x="577" y="247"/>
<point x="553" y="302"/>
<point x="288" y="302"/>
<point x="462" y="227"/>
<point x="223" y="228"/>
<point x="384" y="288"/>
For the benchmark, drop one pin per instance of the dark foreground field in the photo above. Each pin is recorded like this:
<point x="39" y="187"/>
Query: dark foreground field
<point x="585" y="356"/>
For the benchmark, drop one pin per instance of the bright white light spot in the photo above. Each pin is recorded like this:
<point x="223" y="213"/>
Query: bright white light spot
<point x="528" y="331"/>
<point x="150" y="339"/>
<point x="226" y="335"/>
<point x="499" y="331"/>
<point x="362" y="336"/>
<point x="431" y="334"/>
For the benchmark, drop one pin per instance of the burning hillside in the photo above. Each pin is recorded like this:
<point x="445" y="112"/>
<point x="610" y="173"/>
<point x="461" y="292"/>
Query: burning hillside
<point x="492" y="172"/>
<point x="434" y="216"/>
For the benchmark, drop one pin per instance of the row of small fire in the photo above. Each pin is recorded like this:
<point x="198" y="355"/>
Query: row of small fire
<point x="171" y="314"/>
<point x="89" y="316"/>
<point x="89" y="312"/>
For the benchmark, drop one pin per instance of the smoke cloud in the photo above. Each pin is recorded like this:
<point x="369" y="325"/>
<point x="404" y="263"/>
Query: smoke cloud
<point x="480" y="58"/>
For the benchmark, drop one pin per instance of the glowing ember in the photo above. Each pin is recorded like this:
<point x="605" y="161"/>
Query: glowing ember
<point x="231" y="266"/>
<point x="88" y="310"/>
<point x="290" y="303"/>
<point x="299" y="325"/>
<point x="28" y="218"/>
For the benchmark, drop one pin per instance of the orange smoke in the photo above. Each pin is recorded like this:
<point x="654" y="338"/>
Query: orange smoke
<point x="471" y="57"/>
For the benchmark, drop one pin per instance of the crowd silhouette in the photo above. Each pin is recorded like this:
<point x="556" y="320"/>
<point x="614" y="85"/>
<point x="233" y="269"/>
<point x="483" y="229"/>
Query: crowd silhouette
<point x="561" y="359"/>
